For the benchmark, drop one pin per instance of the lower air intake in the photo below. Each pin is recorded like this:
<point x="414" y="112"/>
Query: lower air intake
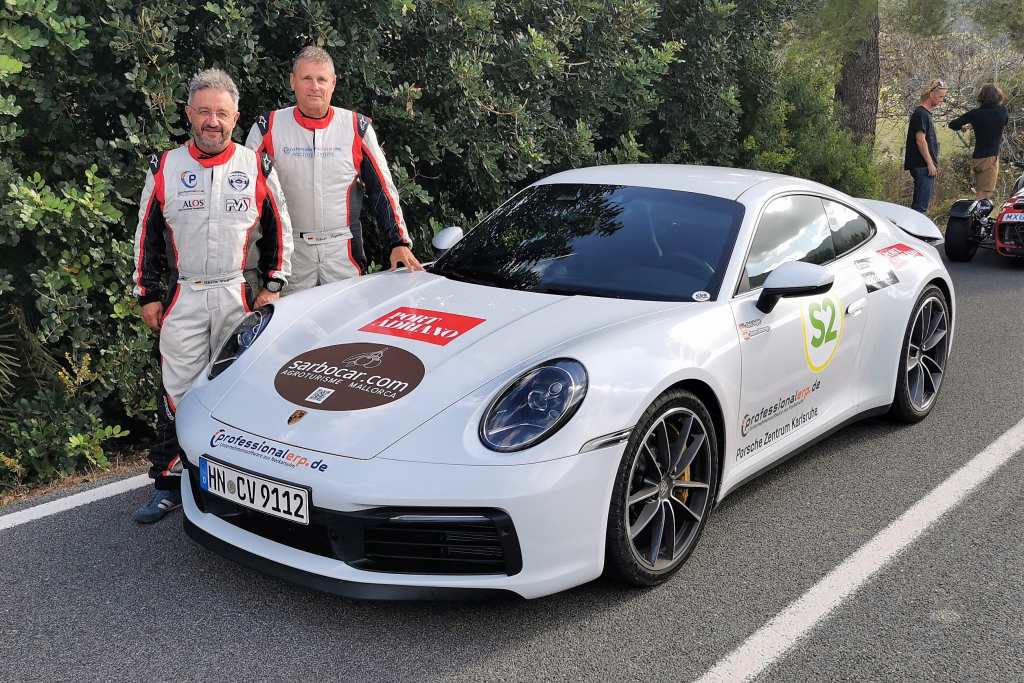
<point x="442" y="544"/>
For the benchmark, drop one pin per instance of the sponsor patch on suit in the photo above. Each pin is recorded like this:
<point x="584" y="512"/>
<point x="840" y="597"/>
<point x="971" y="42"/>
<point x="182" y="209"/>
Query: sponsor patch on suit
<point x="237" y="204"/>
<point x="238" y="180"/>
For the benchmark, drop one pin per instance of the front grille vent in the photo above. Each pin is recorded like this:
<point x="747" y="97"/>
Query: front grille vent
<point x="1012" y="233"/>
<point x="437" y="547"/>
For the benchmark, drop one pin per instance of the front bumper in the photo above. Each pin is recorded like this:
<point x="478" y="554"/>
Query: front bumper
<point x="545" y="528"/>
<point x="1009" y="239"/>
<point x="348" y="589"/>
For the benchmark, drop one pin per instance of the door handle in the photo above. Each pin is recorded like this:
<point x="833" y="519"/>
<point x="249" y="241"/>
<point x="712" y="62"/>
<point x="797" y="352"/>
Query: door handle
<point x="857" y="307"/>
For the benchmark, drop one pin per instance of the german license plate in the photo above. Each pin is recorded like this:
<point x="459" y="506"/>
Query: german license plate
<point x="257" y="493"/>
<point x="1013" y="217"/>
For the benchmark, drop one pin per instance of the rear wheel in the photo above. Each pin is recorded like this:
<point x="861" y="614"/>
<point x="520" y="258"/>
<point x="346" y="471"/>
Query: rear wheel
<point x="663" y="492"/>
<point x="922" y="357"/>
<point x="961" y="243"/>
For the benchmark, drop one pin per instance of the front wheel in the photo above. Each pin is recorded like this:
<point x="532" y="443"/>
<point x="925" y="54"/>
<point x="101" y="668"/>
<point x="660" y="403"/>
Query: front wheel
<point x="923" y="357"/>
<point x="664" y="490"/>
<point x="961" y="242"/>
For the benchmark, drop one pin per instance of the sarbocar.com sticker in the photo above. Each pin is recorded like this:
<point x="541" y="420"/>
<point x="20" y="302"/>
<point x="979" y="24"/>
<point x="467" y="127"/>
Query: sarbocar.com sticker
<point x="349" y="376"/>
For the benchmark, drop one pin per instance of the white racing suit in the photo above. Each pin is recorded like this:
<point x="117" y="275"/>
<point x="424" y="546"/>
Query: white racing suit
<point x="324" y="164"/>
<point x="203" y="220"/>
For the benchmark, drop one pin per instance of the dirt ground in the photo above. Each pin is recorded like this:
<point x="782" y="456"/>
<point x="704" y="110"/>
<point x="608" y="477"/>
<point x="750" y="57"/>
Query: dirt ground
<point x="120" y="466"/>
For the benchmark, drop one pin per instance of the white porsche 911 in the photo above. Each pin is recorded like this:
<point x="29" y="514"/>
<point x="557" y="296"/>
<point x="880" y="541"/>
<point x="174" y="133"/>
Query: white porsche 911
<point x="568" y="390"/>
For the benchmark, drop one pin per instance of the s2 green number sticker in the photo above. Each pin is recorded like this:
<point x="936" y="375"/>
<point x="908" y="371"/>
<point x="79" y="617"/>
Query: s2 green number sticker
<point x="823" y="324"/>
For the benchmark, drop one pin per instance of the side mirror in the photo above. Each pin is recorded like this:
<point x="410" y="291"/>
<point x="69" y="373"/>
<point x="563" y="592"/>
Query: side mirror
<point x="794" y="278"/>
<point x="446" y="238"/>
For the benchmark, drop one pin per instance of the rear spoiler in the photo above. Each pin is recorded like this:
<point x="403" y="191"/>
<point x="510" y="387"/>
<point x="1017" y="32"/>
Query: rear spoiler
<point x="907" y="220"/>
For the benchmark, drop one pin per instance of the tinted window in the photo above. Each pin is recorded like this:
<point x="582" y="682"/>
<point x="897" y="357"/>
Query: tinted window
<point x="849" y="228"/>
<point x="601" y="240"/>
<point x="792" y="228"/>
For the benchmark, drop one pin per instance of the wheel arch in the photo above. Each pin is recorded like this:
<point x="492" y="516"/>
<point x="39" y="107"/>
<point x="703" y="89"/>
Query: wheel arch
<point x="963" y="208"/>
<point x="947" y="292"/>
<point x="709" y="398"/>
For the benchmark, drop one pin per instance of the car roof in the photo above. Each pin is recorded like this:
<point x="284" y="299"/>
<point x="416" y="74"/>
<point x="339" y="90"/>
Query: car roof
<point x="717" y="181"/>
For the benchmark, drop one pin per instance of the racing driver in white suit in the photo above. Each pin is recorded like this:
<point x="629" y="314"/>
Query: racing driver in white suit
<point x="210" y="210"/>
<point x="326" y="156"/>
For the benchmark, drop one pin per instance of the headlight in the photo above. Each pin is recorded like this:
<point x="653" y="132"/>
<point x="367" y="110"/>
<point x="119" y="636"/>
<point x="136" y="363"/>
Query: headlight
<point x="241" y="338"/>
<point x="534" y="406"/>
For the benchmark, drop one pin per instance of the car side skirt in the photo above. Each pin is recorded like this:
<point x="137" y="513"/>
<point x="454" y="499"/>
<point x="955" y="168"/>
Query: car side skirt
<point x="871" y="412"/>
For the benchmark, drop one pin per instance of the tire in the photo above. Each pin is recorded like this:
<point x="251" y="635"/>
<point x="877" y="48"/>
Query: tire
<point x="678" y="502"/>
<point x="960" y="242"/>
<point x="925" y="352"/>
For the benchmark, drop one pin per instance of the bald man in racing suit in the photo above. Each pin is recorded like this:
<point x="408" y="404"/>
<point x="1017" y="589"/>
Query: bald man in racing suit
<point x="210" y="209"/>
<point x="326" y="156"/>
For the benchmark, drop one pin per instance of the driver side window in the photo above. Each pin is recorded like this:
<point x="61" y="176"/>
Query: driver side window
<point x="792" y="228"/>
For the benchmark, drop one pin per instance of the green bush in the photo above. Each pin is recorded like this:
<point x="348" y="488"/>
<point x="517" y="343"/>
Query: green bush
<point x="473" y="100"/>
<point x="798" y="132"/>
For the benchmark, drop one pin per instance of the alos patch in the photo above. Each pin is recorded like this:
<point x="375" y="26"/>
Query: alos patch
<point x="349" y="376"/>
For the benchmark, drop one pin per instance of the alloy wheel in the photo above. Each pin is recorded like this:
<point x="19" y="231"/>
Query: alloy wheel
<point x="926" y="353"/>
<point x="668" y="491"/>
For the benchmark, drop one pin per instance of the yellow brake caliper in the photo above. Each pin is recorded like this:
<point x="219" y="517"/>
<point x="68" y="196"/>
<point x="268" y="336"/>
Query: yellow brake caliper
<point x="685" y="493"/>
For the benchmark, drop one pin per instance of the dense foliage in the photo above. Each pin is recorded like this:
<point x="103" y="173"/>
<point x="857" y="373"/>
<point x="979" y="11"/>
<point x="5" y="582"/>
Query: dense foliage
<point x="472" y="98"/>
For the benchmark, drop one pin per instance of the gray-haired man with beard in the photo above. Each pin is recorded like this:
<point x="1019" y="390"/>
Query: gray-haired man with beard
<point x="210" y="210"/>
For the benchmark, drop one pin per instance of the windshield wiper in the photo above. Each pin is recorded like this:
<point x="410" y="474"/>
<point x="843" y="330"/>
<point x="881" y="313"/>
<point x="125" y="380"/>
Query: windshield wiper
<point x="475" y="277"/>
<point x="563" y="291"/>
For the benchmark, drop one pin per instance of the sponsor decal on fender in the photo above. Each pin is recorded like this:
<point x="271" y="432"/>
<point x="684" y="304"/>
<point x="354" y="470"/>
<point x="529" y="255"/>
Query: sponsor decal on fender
<point x="899" y="253"/>
<point x="876" y="278"/>
<point x="783" y="405"/>
<point x="824" y="321"/>
<point x="433" y="327"/>
<point x="773" y="435"/>
<point x="752" y="328"/>
<point x="349" y="376"/>
<point x="264" y="450"/>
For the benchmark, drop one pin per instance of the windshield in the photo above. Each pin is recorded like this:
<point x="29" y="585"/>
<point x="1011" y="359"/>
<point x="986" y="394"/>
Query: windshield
<point x="601" y="240"/>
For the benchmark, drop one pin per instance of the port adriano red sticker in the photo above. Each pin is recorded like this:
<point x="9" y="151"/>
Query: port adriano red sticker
<point x="433" y="327"/>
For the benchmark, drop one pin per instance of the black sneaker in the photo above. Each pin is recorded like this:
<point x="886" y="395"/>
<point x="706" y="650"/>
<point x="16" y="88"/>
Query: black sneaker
<point x="159" y="505"/>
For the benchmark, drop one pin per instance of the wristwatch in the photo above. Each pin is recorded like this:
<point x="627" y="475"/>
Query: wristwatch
<point x="273" y="286"/>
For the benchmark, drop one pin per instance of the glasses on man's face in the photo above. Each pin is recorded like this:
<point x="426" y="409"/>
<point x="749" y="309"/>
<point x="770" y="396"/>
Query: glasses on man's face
<point x="219" y="114"/>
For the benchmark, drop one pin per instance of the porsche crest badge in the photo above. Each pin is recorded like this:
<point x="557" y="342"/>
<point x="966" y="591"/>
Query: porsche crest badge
<point x="296" y="416"/>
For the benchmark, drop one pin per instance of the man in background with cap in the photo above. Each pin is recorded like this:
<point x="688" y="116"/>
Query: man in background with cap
<point x="921" y="157"/>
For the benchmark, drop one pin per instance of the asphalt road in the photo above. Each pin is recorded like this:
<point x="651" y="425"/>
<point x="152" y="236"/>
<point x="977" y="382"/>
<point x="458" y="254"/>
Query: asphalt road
<point x="89" y="594"/>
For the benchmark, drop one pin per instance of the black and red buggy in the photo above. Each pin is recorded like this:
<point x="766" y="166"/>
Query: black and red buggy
<point x="971" y="225"/>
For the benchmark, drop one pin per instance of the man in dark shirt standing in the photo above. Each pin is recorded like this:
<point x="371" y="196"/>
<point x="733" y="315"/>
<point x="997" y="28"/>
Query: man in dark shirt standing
<point x="988" y="122"/>
<point x="922" y="153"/>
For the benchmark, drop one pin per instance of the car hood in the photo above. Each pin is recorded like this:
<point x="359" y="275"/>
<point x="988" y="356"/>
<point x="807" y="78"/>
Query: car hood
<point x="369" y="362"/>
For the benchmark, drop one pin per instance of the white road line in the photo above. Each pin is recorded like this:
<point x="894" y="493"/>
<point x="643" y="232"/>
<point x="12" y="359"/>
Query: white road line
<point x="775" y="638"/>
<point x="84" y="498"/>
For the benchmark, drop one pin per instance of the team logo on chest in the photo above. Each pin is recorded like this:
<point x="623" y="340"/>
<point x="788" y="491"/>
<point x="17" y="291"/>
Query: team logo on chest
<point x="238" y="180"/>
<point x="189" y="180"/>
